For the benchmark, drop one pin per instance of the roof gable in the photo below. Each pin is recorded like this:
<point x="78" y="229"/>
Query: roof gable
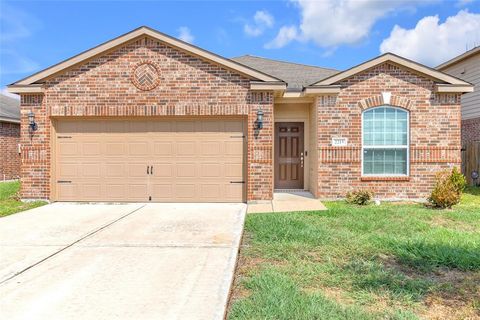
<point x="438" y="76"/>
<point x="139" y="32"/>
<point x="459" y="58"/>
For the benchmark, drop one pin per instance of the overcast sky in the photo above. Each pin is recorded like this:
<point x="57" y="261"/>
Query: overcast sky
<point x="329" y="33"/>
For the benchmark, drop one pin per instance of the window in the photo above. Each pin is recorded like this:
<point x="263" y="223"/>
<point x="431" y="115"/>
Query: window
<point x="385" y="142"/>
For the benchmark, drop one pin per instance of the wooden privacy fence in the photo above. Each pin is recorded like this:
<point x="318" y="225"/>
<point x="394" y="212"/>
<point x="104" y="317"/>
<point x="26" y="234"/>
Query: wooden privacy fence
<point x="471" y="160"/>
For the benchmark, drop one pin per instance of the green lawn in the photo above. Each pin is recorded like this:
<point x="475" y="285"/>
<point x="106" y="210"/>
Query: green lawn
<point x="9" y="202"/>
<point x="393" y="261"/>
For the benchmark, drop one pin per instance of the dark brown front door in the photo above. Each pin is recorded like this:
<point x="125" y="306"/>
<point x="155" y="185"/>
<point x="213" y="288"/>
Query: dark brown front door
<point x="289" y="155"/>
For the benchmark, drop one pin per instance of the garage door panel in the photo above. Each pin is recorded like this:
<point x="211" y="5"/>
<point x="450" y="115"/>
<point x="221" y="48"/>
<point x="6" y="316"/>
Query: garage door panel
<point x="91" y="148"/>
<point x="138" y="192"/>
<point x="162" y="191"/>
<point x="115" y="149"/>
<point x="192" y="160"/>
<point x="67" y="148"/>
<point x="185" y="127"/>
<point x="163" y="149"/>
<point x="163" y="170"/>
<point x="136" y="149"/>
<point x="185" y="148"/>
<point x="234" y="170"/>
<point x="186" y="170"/>
<point x="67" y="191"/>
<point x="233" y="148"/>
<point x="211" y="126"/>
<point x="185" y="191"/>
<point x="234" y="127"/>
<point x="210" y="191"/>
<point x="116" y="169"/>
<point x="92" y="190"/>
<point x="68" y="170"/>
<point x="90" y="169"/>
<point x="233" y="191"/>
<point x="115" y="191"/>
<point x="211" y="148"/>
<point x="209" y="170"/>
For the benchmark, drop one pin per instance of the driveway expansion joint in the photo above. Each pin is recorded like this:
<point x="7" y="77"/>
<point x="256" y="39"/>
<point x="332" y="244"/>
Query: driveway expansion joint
<point x="70" y="245"/>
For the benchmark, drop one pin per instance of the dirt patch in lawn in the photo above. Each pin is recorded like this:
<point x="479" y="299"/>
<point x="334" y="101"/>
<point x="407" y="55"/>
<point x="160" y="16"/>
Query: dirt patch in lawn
<point x="457" y="296"/>
<point x="445" y="222"/>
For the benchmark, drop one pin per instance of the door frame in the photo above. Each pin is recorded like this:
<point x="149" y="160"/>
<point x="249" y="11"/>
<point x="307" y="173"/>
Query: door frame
<point x="304" y="146"/>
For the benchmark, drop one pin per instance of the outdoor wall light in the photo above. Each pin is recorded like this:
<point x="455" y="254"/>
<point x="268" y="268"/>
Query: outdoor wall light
<point x="260" y="119"/>
<point x="31" y="122"/>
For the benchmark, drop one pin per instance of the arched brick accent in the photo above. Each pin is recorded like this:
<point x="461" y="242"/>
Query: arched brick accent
<point x="377" y="100"/>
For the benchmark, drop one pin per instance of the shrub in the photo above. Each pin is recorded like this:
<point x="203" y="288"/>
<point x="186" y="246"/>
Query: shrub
<point x="449" y="185"/>
<point x="360" y="197"/>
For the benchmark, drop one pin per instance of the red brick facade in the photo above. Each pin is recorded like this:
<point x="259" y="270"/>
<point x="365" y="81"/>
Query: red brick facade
<point x="470" y="130"/>
<point x="434" y="132"/>
<point x="188" y="86"/>
<point x="9" y="156"/>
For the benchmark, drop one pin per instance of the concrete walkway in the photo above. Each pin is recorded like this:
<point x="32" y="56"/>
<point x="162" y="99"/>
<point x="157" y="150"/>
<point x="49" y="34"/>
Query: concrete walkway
<point x="125" y="261"/>
<point x="286" y="202"/>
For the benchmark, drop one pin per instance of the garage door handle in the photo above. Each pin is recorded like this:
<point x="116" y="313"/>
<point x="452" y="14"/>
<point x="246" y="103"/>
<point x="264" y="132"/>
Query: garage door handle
<point x="148" y="169"/>
<point x="151" y="169"/>
<point x="237" y="181"/>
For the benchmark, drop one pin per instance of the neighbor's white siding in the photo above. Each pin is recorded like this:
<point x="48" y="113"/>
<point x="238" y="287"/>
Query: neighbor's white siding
<point x="468" y="70"/>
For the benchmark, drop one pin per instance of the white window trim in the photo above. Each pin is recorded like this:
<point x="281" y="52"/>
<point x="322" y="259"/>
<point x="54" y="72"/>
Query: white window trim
<point x="387" y="146"/>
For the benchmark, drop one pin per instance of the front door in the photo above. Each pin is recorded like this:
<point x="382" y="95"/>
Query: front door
<point x="289" y="159"/>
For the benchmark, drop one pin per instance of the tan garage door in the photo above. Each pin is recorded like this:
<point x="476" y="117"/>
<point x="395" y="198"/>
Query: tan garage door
<point x="150" y="160"/>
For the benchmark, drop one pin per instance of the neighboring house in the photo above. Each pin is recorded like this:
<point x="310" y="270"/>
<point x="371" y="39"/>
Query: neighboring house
<point x="467" y="67"/>
<point x="9" y="138"/>
<point x="147" y="117"/>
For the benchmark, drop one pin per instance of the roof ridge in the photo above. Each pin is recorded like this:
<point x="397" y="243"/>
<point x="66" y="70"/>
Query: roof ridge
<point x="283" y="61"/>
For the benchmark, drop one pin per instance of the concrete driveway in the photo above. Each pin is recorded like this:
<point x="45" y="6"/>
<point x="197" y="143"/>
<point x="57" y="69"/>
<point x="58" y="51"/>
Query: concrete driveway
<point x="119" y="261"/>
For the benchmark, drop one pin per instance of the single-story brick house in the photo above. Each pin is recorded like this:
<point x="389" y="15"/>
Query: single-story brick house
<point x="9" y="138"/>
<point x="147" y="117"/>
<point x="467" y="67"/>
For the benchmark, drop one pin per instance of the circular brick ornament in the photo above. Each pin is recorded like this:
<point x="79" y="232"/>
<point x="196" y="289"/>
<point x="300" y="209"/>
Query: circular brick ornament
<point x="145" y="76"/>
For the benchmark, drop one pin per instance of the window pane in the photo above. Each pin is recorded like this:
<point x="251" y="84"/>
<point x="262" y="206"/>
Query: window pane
<point x="385" y="161"/>
<point x="385" y="126"/>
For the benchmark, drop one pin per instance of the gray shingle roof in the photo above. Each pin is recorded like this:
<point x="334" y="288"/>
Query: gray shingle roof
<point x="9" y="108"/>
<point x="295" y="75"/>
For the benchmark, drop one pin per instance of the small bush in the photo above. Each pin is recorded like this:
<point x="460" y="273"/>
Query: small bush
<point x="360" y="197"/>
<point x="449" y="185"/>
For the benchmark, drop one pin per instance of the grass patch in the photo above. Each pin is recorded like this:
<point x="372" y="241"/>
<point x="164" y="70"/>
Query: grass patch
<point x="393" y="261"/>
<point x="10" y="202"/>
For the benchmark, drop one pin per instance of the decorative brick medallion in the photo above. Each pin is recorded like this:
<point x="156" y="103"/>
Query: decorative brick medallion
<point x="145" y="76"/>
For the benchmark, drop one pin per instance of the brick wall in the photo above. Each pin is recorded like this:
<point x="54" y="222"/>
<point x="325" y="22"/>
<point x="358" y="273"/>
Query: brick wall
<point x="35" y="148"/>
<point x="470" y="130"/>
<point x="434" y="132"/>
<point x="183" y="85"/>
<point x="9" y="156"/>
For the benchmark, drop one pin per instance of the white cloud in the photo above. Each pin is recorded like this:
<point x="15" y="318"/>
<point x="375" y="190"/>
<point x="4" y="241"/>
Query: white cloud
<point x="284" y="36"/>
<point x="8" y="94"/>
<point x="462" y="3"/>
<point x="432" y="42"/>
<point x="329" y="23"/>
<point x="185" y="34"/>
<point x="262" y="20"/>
